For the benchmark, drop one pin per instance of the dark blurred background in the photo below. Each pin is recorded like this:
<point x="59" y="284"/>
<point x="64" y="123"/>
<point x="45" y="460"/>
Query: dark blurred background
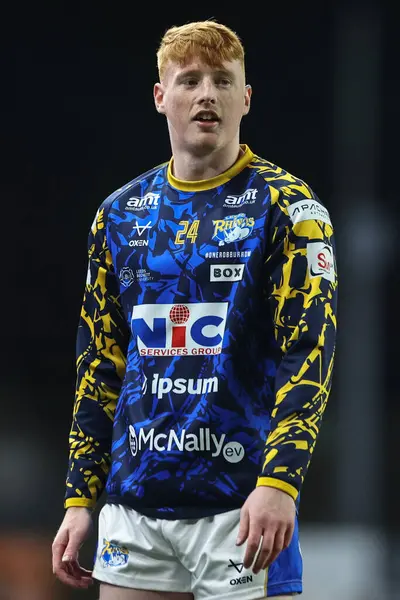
<point x="78" y="122"/>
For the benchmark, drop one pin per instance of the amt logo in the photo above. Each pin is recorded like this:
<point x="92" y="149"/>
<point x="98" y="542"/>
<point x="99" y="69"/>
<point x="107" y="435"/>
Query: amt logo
<point x="150" y="200"/>
<point x="179" y="329"/>
<point x="248" y="197"/>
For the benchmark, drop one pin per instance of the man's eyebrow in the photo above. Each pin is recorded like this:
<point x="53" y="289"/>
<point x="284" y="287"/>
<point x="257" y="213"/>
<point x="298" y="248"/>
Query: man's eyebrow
<point x="225" y="72"/>
<point x="196" y="72"/>
<point x="188" y="73"/>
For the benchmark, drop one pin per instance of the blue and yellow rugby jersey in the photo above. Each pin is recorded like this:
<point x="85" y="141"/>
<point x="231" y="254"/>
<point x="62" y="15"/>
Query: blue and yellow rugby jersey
<point x="206" y="341"/>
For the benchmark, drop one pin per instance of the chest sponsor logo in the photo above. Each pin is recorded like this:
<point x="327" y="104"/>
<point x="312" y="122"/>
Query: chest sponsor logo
<point x="226" y="272"/>
<point x="127" y="276"/>
<point x="165" y="385"/>
<point x="308" y="210"/>
<point x="248" y="197"/>
<point x="232" y="229"/>
<point x="140" y="233"/>
<point x="204" y="440"/>
<point x="179" y="329"/>
<point x="321" y="261"/>
<point x="146" y="202"/>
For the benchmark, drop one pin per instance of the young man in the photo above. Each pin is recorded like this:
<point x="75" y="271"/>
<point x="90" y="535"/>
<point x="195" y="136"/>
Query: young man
<point x="205" y="354"/>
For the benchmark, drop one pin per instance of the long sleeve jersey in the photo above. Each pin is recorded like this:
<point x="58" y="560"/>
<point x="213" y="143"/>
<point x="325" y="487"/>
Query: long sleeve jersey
<point x="206" y="341"/>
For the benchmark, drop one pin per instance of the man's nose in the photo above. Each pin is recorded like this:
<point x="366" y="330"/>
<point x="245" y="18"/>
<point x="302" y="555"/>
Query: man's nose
<point x="207" y="91"/>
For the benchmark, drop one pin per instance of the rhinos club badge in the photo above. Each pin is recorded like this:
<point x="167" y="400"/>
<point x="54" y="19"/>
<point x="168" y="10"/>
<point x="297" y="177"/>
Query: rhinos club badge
<point x="232" y="229"/>
<point x="113" y="555"/>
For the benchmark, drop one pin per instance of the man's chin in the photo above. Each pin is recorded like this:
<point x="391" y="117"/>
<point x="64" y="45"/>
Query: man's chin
<point x="203" y="147"/>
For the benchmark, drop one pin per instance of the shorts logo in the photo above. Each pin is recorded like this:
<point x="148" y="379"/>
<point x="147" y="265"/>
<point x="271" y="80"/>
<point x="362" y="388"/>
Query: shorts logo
<point x="308" y="210"/>
<point x="179" y="329"/>
<point x="226" y="272"/>
<point x="239" y="568"/>
<point x="232" y="229"/>
<point x="113" y="555"/>
<point x="240" y="580"/>
<point x="321" y="261"/>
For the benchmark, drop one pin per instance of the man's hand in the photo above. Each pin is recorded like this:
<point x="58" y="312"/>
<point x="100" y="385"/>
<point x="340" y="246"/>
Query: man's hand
<point x="74" y="530"/>
<point x="268" y="513"/>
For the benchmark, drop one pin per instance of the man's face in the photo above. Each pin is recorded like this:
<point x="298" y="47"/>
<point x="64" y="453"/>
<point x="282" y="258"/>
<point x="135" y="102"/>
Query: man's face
<point x="204" y="105"/>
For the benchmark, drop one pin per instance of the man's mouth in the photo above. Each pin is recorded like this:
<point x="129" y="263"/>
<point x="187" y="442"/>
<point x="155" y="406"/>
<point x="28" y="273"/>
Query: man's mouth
<point x="207" y="116"/>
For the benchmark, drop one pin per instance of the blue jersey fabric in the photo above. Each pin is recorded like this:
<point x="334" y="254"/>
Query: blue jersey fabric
<point x="205" y="345"/>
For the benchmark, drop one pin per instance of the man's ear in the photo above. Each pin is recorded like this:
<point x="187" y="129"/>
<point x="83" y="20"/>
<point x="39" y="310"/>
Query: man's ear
<point x="158" y="93"/>
<point x="247" y="99"/>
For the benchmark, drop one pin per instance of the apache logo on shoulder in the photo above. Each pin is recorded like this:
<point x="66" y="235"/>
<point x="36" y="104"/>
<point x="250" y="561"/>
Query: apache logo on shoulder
<point x="179" y="329"/>
<point x="320" y="260"/>
<point x="150" y="200"/>
<point x="226" y="272"/>
<point x="308" y="210"/>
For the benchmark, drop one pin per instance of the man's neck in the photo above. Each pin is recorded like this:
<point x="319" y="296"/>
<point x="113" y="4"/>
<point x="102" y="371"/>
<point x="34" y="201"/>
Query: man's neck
<point x="196" y="168"/>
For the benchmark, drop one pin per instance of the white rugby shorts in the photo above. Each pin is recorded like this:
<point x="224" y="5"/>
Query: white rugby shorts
<point x="191" y="555"/>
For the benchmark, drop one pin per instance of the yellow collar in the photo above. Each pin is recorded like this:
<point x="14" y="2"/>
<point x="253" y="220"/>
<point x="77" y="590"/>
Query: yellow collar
<point x="208" y="184"/>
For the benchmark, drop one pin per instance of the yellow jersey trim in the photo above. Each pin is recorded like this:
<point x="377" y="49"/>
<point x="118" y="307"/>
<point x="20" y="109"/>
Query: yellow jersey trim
<point x="278" y="484"/>
<point x="213" y="182"/>
<point x="85" y="502"/>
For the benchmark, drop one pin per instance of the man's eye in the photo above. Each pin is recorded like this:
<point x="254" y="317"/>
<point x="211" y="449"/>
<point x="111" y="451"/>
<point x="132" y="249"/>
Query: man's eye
<point x="224" y="81"/>
<point x="191" y="82"/>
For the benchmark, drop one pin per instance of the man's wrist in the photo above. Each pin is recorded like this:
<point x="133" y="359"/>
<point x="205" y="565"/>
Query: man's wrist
<point x="80" y="503"/>
<point x="278" y="484"/>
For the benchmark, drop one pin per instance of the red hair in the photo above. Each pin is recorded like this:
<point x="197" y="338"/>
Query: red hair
<point x="212" y="42"/>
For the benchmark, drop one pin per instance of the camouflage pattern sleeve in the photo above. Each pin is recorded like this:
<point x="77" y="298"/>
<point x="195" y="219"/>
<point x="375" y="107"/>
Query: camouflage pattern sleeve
<point x="302" y="295"/>
<point x="102" y="340"/>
